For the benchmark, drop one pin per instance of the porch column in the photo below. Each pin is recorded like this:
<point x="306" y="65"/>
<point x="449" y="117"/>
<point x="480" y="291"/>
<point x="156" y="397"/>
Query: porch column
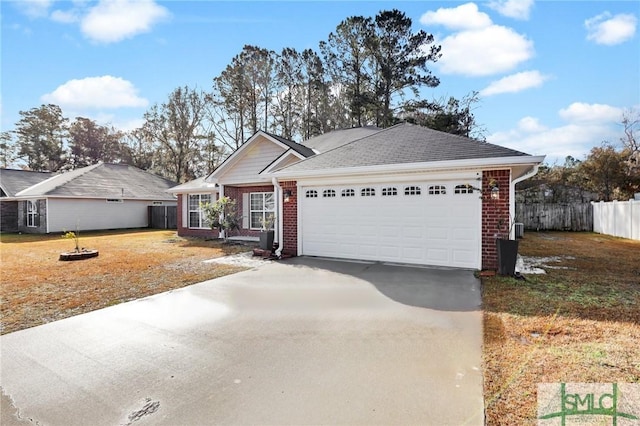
<point x="220" y="195"/>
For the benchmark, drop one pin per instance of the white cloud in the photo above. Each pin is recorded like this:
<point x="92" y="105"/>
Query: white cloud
<point x="515" y="83"/>
<point x="115" y="20"/>
<point x="65" y="17"/>
<point x="96" y="92"/>
<point x="587" y="126"/>
<point x="517" y="9"/>
<point x="530" y="125"/>
<point x="463" y="17"/>
<point x="487" y="51"/>
<point x="34" y="8"/>
<point x="610" y="30"/>
<point x="579" y="112"/>
<point x="477" y="46"/>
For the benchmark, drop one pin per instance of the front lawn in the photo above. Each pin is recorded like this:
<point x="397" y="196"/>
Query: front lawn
<point x="578" y="323"/>
<point x="38" y="288"/>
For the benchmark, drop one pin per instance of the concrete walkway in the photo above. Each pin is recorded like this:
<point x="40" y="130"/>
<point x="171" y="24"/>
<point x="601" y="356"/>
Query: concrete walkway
<point x="304" y="341"/>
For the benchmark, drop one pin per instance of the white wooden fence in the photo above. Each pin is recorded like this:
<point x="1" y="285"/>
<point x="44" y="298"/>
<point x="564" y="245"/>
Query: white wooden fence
<point x="617" y="218"/>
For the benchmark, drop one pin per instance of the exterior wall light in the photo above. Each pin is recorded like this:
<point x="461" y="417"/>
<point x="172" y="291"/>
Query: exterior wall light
<point x="495" y="192"/>
<point x="287" y="195"/>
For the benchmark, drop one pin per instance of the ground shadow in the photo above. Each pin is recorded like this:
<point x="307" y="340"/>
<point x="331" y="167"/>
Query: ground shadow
<point x="444" y="289"/>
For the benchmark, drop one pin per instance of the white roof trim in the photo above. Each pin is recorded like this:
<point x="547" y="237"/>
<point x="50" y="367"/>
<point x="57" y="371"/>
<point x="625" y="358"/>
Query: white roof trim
<point x="275" y="163"/>
<point x="195" y="186"/>
<point x="476" y="163"/>
<point x="235" y="155"/>
<point x="58" y="180"/>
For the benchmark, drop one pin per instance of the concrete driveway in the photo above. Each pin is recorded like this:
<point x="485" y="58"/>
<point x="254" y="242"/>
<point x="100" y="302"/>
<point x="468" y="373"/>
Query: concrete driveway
<point x="304" y="341"/>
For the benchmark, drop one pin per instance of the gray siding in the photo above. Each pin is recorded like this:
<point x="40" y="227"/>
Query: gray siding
<point x="94" y="214"/>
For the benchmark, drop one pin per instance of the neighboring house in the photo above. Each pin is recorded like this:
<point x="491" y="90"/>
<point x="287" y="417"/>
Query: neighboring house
<point x="101" y="196"/>
<point x="11" y="182"/>
<point x="405" y="194"/>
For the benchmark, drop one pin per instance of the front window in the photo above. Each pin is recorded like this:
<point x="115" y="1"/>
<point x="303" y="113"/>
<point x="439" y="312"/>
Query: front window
<point x="261" y="207"/>
<point x="32" y="213"/>
<point x="196" y="215"/>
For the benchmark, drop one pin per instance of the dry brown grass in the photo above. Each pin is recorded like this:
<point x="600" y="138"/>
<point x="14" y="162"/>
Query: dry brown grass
<point x="38" y="288"/>
<point x="580" y="324"/>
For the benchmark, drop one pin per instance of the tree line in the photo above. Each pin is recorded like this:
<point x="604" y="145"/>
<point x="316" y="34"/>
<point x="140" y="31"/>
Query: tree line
<point x="609" y="172"/>
<point x="369" y="71"/>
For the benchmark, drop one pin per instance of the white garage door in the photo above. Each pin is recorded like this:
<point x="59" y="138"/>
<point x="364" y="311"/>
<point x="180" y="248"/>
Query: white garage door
<point x="427" y="223"/>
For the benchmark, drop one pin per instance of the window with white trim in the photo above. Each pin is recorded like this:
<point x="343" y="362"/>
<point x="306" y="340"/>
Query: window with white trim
<point x="463" y="189"/>
<point x="196" y="215"/>
<point x="437" y="190"/>
<point x="32" y="213"/>
<point x="368" y="192"/>
<point x="329" y="193"/>
<point x="348" y="193"/>
<point x="261" y="206"/>
<point x="412" y="190"/>
<point x="387" y="192"/>
<point x="311" y="193"/>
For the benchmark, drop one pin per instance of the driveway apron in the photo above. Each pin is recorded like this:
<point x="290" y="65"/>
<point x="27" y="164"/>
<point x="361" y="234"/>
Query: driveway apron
<point x="303" y="341"/>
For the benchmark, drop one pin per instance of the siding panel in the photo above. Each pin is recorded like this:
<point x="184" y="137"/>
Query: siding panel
<point x="64" y="214"/>
<point x="253" y="161"/>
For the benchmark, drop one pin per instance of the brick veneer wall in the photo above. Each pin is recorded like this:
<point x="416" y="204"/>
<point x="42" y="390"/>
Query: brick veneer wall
<point x="290" y="215"/>
<point x="183" y="229"/>
<point x="495" y="215"/>
<point x="235" y="193"/>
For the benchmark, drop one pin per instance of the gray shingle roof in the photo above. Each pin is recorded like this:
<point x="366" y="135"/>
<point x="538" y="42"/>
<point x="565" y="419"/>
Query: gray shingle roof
<point x="403" y="143"/>
<point x="300" y="149"/>
<point x="13" y="181"/>
<point x="104" y="181"/>
<point x="336" y="138"/>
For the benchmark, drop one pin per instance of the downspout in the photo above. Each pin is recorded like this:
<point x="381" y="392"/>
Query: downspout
<point x="221" y="234"/>
<point x="279" y="218"/>
<point x="512" y="195"/>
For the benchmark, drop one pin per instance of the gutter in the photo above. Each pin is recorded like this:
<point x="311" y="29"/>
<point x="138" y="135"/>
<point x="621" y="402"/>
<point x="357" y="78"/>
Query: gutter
<point x="512" y="193"/>
<point x="472" y="164"/>
<point x="279" y="217"/>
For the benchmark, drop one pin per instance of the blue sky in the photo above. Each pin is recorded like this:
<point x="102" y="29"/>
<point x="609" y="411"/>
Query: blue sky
<point x="554" y="76"/>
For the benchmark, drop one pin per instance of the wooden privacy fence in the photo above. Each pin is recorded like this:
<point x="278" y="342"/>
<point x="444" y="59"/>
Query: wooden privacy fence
<point x="555" y="217"/>
<point x="617" y="218"/>
<point x="163" y="217"/>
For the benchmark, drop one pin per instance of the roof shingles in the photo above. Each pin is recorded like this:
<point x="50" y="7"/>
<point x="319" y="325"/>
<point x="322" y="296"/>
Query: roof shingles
<point x="403" y="143"/>
<point x="13" y="181"/>
<point x="104" y="180"/>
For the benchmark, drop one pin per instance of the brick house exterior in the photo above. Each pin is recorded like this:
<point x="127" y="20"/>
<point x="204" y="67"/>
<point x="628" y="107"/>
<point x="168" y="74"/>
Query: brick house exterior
<point x="265" y="158"/>
<point x="495" y="214"/>
<point x="290" y="219"/>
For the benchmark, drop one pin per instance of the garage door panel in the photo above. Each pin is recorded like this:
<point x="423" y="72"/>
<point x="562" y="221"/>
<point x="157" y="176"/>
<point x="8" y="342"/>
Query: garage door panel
<point x="464" y="235"/>
<point x="431" y="229"/>
<point x="413" y="232"/>
<point x="435" y="234"/>
<point x="437" y="255"/>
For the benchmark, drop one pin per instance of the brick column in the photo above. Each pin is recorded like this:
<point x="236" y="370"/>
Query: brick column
<point x="290" y="218"/>
<point x="495" y="214"/>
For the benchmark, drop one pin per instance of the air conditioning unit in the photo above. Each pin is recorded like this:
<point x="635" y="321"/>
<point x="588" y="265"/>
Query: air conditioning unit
<point x="519" y="228"/>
